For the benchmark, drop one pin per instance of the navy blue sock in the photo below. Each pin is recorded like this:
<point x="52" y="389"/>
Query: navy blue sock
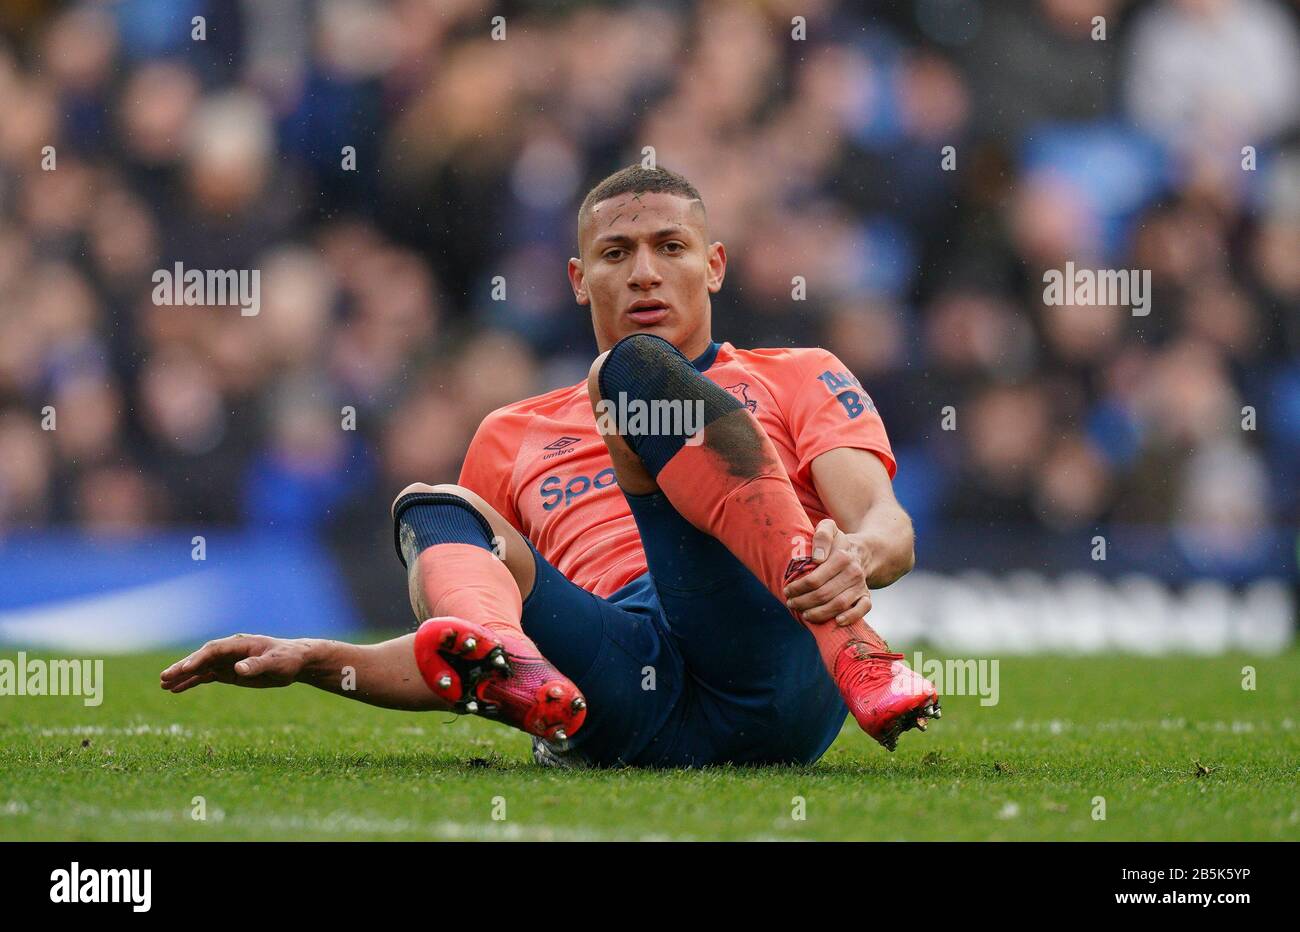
<point x="570" y="638"/>
<point x="646" y="368"/>
<point x="422" y="519"/>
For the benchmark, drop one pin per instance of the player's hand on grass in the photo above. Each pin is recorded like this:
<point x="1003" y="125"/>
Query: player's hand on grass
<point x="837" y="589"/>
<point x="242" y="660"/>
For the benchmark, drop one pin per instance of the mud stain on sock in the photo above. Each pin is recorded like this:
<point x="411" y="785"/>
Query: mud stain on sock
<point x="736" y="439"/>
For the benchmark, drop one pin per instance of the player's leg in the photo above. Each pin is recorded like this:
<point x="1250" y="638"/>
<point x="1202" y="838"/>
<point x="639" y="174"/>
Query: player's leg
<point x="733" y="487"/>
<point x="466" y="561"/>
<point x="467" y="573"/>
<point x="618" y="653"/>
<point x="746" y="672"/>
<point x="763" y="695"/>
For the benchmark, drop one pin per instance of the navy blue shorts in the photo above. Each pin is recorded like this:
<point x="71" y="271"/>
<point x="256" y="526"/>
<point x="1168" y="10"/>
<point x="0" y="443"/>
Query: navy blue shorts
<point x="698" y="663"/>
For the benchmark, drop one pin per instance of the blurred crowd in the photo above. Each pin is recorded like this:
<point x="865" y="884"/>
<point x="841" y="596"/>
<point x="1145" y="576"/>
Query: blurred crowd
<point x="1170" y="144"/>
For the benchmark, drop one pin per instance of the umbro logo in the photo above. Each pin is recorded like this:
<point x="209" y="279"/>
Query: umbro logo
<point x="560" y="447"/>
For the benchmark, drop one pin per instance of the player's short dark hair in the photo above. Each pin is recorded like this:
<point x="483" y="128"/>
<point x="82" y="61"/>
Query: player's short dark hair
<point x="636" y="179"/>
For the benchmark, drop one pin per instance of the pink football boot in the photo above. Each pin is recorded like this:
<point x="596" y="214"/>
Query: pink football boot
<point x="471" y="668"/>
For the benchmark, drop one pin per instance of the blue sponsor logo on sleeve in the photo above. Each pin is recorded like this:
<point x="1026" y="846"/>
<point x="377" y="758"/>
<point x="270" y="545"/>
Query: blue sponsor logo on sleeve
<point x="847" y="391"/>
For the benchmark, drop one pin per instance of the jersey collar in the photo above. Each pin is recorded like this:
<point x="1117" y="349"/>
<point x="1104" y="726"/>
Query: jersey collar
<point x="703" y="361"/>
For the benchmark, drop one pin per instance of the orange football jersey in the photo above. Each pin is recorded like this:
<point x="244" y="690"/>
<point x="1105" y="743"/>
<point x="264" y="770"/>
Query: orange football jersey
<point x="542" y="464"/>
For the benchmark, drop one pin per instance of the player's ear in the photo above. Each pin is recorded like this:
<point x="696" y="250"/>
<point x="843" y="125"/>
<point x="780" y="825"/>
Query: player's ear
<point x="717" y="267"/>
<point x="577" y="280"/>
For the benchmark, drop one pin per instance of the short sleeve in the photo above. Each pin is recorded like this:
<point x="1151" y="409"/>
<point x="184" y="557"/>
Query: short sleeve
<point x="827" y="408"/>
<point x="490" y="463"/>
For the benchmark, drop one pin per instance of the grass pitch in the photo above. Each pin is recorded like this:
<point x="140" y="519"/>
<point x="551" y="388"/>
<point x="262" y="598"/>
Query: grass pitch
<point x="1175" y="747"/>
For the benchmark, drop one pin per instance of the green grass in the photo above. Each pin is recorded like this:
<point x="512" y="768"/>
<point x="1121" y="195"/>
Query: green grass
<point x="299" y="764"/>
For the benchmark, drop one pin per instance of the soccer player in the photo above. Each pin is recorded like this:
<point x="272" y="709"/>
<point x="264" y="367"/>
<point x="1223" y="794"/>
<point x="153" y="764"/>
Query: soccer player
<point x="669" y="564"/>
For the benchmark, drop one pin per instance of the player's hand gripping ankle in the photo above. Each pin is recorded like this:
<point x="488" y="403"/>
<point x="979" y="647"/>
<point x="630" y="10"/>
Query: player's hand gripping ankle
<point x="837" y="589"/>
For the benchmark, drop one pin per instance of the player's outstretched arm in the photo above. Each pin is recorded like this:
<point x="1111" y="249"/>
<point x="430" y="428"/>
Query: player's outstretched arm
<point x="382" y="674"/>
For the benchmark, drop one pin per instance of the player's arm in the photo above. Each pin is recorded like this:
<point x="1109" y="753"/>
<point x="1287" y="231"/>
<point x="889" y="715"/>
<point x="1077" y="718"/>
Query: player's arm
<point x="865" y="544"/>
<point x="382" y="674"/>
<point x="859" y="496"/>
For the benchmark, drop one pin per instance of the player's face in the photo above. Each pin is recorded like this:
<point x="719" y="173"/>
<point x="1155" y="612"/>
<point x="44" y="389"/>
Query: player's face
<point x="647" y="266"/>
